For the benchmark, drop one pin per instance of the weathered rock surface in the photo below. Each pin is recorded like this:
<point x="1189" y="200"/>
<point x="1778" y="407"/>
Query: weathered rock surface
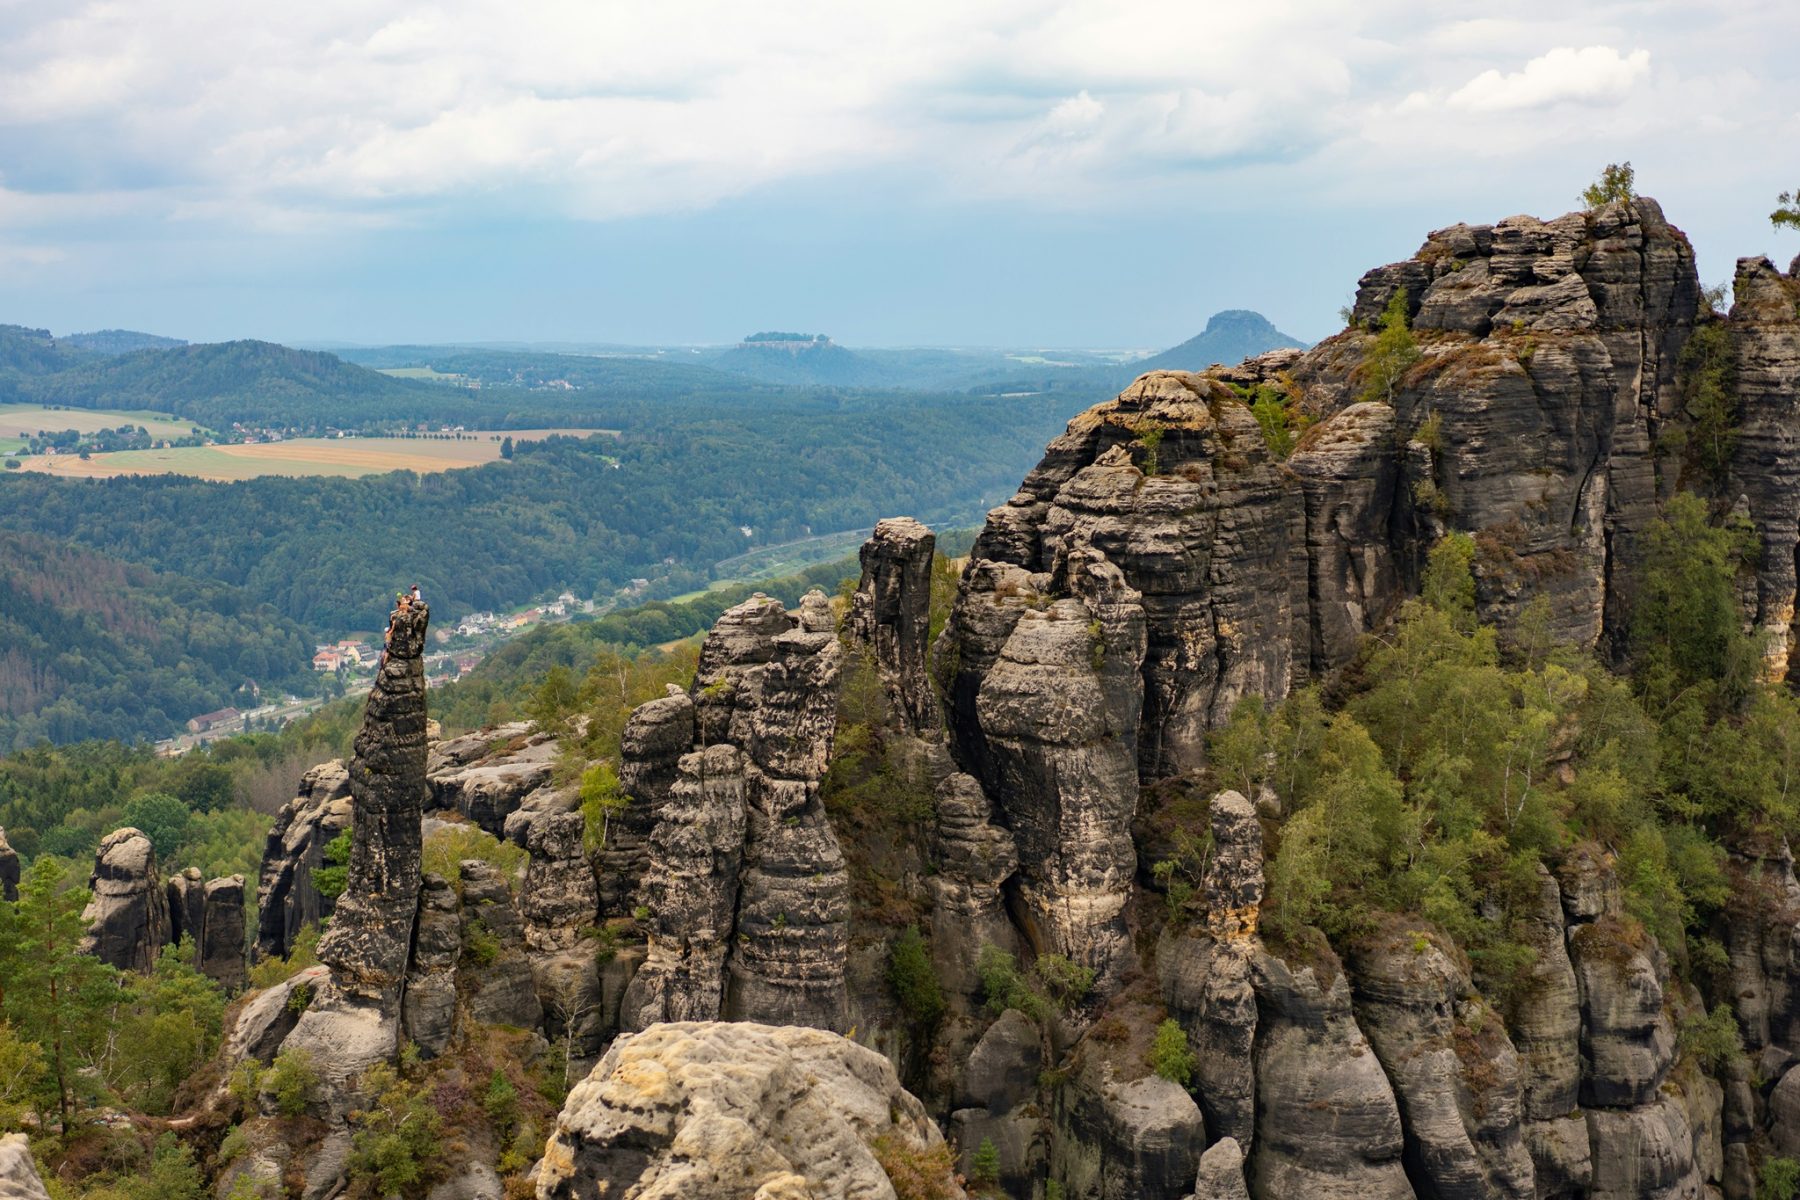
<point x="128" y="916"/>
<point x="1053" y="696"/>
<point x="744" y="880"/>
<point x="371" y="927"/>
<point x="187" y="906"/>
<point x="222" y="931"/>
<point x="1118" y="1139"/>
<point x="1457" y="1084"/>
<point x="974" y="857"/>
<point x="428" y="1008"/>
<point x="722" y="1111"/>
<point x="503" y="991"/>
<point x="9" y="869"/>
<point x="489" y="778"/>
<point x="269" y="1016"/>
<point x="1221" y="1174"/>
<point x="286" y="900"/>
<point x="651" y="746"/>
<point x="18" y="1173"/>
<point x="891" y="614"/>
<point x="1327" y="1125"/>
<point x="1207" y="977"/>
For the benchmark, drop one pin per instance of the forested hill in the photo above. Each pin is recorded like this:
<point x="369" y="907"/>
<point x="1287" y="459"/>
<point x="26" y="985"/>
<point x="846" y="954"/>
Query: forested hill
<point x="662" y="502"/>
<point x="93" y="647"/>
<point x="252" y="383"/>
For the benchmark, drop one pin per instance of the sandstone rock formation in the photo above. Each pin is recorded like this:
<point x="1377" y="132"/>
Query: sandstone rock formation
<point x="128" y="917"/>
<point x="286" y="900"/>
<point x="490" y="776"/>
<point x="18" y="1173"/>
<point x="891" y="614"/>
<point x="9" y="869"/>
<point x="187" y="906"/>
<point x="371" y="926"/>
<point x="222" y="931"/>
<point x="744" y="878"/>
<point x="722" y="1111"/>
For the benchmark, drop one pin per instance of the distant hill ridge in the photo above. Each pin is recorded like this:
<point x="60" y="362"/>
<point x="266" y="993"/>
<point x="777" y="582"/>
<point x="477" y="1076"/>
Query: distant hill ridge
<point x="1229" y="338"/>
<point x="120" y="341"/>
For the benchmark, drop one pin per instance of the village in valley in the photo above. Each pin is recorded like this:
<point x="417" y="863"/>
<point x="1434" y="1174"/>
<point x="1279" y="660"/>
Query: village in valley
<point x="351" y="662"/>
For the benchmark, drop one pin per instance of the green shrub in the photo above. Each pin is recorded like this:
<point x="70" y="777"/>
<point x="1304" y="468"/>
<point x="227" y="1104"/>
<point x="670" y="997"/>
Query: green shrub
<point x="395" y="1146"/>
<point x="1617" y="182"/>
<point x="1712" y="1038"/>
<point x="1392" y="355"/>
<point x="480" y="945"/>
<point x="292" y="1081"/>
<point x="303" y="954"/>
<point x="986" y="1164"/>
<point x="501" y="1104"/>
<point x="1068" y="981"/>
<point x="1170" y="1056"/>
<point x="331" y="879"/>
<point x="1779" y="1179"/>
<point x="1004" y="987"/>
<point x="914" y="981"/>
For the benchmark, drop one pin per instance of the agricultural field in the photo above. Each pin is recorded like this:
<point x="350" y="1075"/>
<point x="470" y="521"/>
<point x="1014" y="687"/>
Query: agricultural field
<point x="18" y="421"/>
<point x="344" y="457"/>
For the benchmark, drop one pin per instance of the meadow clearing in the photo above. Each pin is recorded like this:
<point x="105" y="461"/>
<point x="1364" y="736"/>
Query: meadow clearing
<point x="18" y="421"/>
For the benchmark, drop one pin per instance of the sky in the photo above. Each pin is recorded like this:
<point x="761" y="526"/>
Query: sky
<point x="939" y="172"/>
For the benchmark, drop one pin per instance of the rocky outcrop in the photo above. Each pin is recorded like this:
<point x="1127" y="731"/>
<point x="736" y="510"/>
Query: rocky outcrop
<point x="1046" y="669"/>
<point x="18" y="1173"/>
<point x="559" y="903"/>
<point x="1221" y="1175"/>
<point x="974" y="857"/>
<point x="187" y="906"/>
<point x="428" y="1007"/>
<point x="1327" y="1125"/>
<point x="490" y="776"/>
<point x="654" y="740"/>
<point x="1207" y="977"/>
<point x="891" y="614"/>
<point x="371" y="927"/>
<point x="721" y="1111"/>
<point x="1454" y="1072"/>
<point x="1124" y="1138"/>
<point x="286" y="899"/>
<point x="354" y="1019"/>
<point x="744" y="879"/>
<point x="128" y="916"/>
<point x="503" y="991"/>
<point x="222" y="931"/>
<point x="9" y="869"/>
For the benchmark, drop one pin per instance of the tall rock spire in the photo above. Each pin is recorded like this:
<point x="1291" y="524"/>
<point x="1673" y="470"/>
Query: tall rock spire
<point x="371" y="928"/>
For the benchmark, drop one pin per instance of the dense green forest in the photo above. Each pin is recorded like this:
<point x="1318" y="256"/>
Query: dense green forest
<point x="591" y="515"/>
<point x="94" y="647"/>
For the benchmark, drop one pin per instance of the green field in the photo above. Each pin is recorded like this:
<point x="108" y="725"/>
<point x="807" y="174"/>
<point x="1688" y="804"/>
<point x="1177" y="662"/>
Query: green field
<point x="27" y="419"/>
<point x="418" y="373"/>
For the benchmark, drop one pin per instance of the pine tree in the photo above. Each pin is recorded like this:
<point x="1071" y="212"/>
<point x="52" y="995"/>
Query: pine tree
<point x="50" y="987"/>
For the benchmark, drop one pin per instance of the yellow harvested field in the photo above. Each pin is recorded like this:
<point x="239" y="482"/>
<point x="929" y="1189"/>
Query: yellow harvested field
<point x="345" y="457"/>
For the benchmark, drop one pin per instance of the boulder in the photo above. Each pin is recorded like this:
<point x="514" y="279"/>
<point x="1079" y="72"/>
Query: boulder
<point x="18" y="1173"/>
<point x="1124" y="1139"/>
<point x="1221" y="1174"/>
<point x="722" y="1111"/>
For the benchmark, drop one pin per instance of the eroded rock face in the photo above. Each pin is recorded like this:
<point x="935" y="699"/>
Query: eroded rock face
<point x="9" y="869"/>
<point x="1055" y="710"/>
<point x="1327" y="1125"/>
<point x="1221" y="1174"/>
<point x="187" y="906"/>
<point x="286" y="900"/>
<point x="18" y="1173"/>
<point x="128" y="917"/>
<point x="502" y="992"/>
<point x="891" y="614"/>
<point x="1125" y="1139"/>
<point x="1457" y="1084"/>
<point x="428" y="1008"/>
<point x="489" y="777"/>
<point x="222" y="931"/>
<point x="722" y="1111"/>
<point x="744" y="878"/>
<point x="371" y="927"/>
<point x="650" y="750"/>
<point x="975" y="857"/>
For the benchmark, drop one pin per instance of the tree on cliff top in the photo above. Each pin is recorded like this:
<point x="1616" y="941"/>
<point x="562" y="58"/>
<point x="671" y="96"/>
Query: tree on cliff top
<point x="1616" y="182"/>
<point x="1787" y="211"/>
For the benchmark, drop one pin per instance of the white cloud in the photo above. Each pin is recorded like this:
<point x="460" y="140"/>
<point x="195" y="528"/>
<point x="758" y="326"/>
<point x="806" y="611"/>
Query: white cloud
<point x="1592" y="75"/>
<point x="377" y="111"/>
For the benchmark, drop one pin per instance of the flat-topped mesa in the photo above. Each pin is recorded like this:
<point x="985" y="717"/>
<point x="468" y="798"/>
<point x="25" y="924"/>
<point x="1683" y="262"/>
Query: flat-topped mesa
<point x="891" y="614"/>
<point x="743" y="876"/>
<point x="372" y="924"/>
